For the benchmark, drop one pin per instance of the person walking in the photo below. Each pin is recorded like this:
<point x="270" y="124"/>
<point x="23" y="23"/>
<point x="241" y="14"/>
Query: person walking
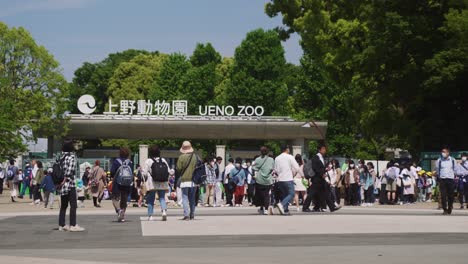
<point x="26" y="182"/>
<point x="392" y="177"/>
<point x="250" y="181"/>
<point x="2" y="179"/>
<point x="218" y="190"/>
<point x="229" y="186"/>
<point x="352" y="183"/>
<point x="186" y="165"/>
<point x="48" y="187"/>
<point x="263" y="167"/>
<point x="238" y="177"/>
<point x="122" y="174"/>
<point x="299" y="187"/>
<point x="97" y="182"/>
<point x="12" y="176"/>
<point x="285" y="167"/>
<point x="156" y="171"/>
<point x="37" y="182"/>
<point x="210" y="169"/>
<point x="445" y="169"/>
<point x="368" y="180"/>
<point x="67" y="189"/>
<point x="462" y="173"/>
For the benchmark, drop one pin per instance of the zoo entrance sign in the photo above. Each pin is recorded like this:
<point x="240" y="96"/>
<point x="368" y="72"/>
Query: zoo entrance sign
<point x="87" y="105"/>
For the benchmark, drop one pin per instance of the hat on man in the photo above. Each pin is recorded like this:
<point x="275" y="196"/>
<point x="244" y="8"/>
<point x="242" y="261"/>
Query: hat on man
<point x="186" y="147"/>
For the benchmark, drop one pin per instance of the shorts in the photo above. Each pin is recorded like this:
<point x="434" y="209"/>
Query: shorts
<point x="391" y="187"/>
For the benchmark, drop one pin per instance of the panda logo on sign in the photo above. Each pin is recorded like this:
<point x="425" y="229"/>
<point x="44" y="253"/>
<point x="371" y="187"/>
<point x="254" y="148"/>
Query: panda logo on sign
<point x="86" y="104"/>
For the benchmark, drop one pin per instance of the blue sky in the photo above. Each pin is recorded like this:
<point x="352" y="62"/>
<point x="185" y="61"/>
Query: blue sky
<point x="75" y="31"/>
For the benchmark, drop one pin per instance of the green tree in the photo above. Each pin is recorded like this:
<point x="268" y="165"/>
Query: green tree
<point x="169" y="83"/>
<point x="204" y="54"/>
<point x="256" y="77"/>
<point x="378" y="56"/>
<point x="33" y="91"/>
<point x="201" y="79"/>
<point x="134" y="79"/>
<point x="93" y="78"/>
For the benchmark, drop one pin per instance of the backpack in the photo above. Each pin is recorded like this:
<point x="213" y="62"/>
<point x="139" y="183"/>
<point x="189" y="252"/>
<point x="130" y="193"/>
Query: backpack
<point x="159" y="171"/>
<point x="309" y="172"/>
<point x="57" y="172"/>
<point x="440" y="163"/>
<point x="10" y="173"/>
<point x="199" y="174"/>
<point x="124" y="173"/>
<point x="392" y="174"/>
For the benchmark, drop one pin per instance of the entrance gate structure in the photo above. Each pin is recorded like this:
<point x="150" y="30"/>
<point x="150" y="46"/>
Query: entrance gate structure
<point x="297" y="133"/>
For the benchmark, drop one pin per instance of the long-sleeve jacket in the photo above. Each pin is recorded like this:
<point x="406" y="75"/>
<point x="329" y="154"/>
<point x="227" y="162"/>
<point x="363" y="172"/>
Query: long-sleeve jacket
<point x="348" y="175"/>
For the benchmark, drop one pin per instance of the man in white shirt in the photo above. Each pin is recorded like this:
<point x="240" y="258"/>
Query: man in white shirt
<point x="285" y="167"/>
<point x="229" y="191"/>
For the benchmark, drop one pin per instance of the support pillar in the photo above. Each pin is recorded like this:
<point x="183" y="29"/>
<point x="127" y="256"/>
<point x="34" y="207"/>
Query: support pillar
<point x="296" y="150"/>
<point x="221" y="152"/>
<point x="143" y="154"/>
<point x="299" y="147"/>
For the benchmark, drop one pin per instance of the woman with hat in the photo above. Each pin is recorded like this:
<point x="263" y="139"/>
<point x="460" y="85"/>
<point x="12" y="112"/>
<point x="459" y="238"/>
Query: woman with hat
<point x="185" y="166"/>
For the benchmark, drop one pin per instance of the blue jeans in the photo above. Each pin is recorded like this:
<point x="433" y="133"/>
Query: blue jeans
<point x="188" y="200"/>
<point x="287" y="193"/>
<point x="150" y="201"/>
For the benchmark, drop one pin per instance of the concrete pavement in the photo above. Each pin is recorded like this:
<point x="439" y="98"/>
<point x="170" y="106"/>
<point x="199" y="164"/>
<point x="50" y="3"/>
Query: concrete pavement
<point x="383" y="234"/>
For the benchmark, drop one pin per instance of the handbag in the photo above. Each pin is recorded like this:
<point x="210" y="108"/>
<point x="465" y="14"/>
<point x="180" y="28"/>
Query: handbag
<point x="148" y="184"/>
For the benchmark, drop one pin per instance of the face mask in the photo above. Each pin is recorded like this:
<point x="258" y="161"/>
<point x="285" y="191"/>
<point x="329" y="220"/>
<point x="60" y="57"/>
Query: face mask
<point x="212" y="164"/>
<point x="444" y="154"/>
<point x="351" y="166"/>
<point x="464" y="158"/>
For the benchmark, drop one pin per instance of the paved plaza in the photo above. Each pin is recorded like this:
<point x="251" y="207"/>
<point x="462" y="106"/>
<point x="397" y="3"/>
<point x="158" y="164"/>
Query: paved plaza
<point x="235" y="235"/>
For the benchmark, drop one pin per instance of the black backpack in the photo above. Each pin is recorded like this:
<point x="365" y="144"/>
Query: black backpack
<point x="159" y="171"/>
<point x="57" y="171"/>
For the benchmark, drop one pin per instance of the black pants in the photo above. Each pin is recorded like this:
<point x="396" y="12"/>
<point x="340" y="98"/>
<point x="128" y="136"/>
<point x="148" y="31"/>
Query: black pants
<point x="383" y="194"/>
<point x="250" y="192"/>
<point x="229" y="194"/>
<point x="64" y="201"/>
<point x="311" y="192"/>
<point x="262" y="196"/>
<point x="369" y="195"/>
<point x="353" y="194"/>
<point x="1" y="186"/>
<point x="463" y="194"/>
<point x="124" y="192"/>
<point x="447" y="188"/>
<point x="37" y="192"/>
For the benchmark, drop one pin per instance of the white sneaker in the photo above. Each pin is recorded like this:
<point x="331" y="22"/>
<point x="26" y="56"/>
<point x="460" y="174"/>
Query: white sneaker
<point x="266" y="212"/>
<point x="64" y="228"/>
<point x="150" y="218"/>
<point x="164" y="216"/>
<point x="363" y="205"/>
<point x="280" y="208"/>
<point x="76" y="228"/>
<point x="298" y="209"/>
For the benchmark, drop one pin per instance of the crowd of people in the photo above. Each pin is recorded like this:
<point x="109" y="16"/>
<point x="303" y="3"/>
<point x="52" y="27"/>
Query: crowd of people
<point x="273" y="184"/>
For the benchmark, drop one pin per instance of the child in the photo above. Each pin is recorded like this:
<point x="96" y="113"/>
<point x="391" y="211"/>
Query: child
<point x="80" y="192"/>
<point x="429" y="186"/>
<point x="48" y="187"/>
<point x="422" y="185"/>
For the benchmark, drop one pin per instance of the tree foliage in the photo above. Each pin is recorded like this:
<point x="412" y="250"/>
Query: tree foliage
<point x="33" y="92"/>
<point x="392" y="70"/>
<point x="256" y="77"/>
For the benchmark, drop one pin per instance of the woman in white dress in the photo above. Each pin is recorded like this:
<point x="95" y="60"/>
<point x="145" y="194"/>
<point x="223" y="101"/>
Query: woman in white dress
<point x="299" y="186"/>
